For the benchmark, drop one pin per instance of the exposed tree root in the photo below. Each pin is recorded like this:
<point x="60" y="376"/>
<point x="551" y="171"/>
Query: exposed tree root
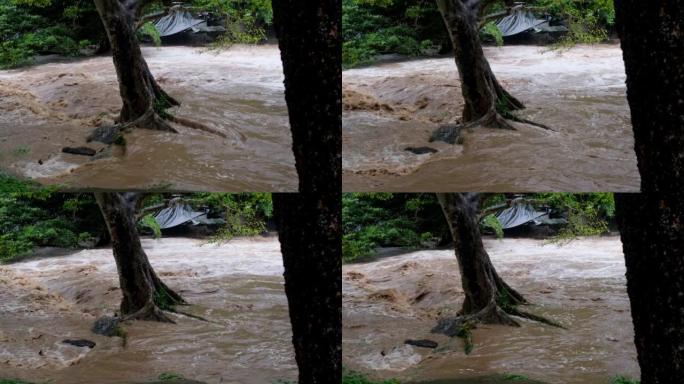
<point x="499" y="311"/>
<point x="196" y="125"/>
<point x="149" y="312"/>
<point x="449" y="133"/>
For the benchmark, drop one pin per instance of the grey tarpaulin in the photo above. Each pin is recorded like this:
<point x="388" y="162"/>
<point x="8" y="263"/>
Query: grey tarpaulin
<point x="518" y="214"/>
<point x="176" y="215"/>
<point x="178" y="20"/>
<point x="517" y="22"/>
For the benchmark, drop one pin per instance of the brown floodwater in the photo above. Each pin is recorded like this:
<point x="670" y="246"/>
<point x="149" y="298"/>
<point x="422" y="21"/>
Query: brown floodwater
<point x="579" y="92"/>
<point x="238" y="92"/>
<point x="238" y="286"/>
<point x="581" y="285"/>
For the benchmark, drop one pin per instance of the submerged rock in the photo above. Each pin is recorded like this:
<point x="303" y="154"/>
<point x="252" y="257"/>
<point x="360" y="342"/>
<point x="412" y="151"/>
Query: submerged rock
<point x="448" y="133"/>
<point x="424" y="343"/>
<point x="106" y="326"/>
<point x="420" y="150"/>
<point x="105" y="134"/>
<point x="84" y="151"/>
<point x="80" y="343"/>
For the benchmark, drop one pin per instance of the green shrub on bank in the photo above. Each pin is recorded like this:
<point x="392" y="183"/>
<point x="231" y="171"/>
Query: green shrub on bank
<point x="30" y="27"/>
<point x="32" y="216"/>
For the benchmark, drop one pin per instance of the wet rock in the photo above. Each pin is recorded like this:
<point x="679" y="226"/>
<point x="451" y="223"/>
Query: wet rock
<point x="106" y="326"/>
<point x="423" y="343"/>
<point x="80" y="343"/>
<point x="104" y="134"/>
<point x="84" y="151"/>
<point x="420" y="150"/>
<point x="448" y="133"/>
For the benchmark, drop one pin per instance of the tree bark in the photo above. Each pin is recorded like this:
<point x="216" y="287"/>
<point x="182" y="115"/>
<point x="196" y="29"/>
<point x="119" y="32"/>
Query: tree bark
<point x="483" y="95"/>
<point x="487" y="296"/>
<point x="309" y="229"/>
<point x="309" y="224"/>
<point x="311" y="50"/>
<point x="652" y="223"/>
<point x="143" y="99"/>
<point x="144" y="294"/>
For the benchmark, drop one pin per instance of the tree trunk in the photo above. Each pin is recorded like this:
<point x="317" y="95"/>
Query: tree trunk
<point x="311" y="51"/>
<point x="487" y="296"/>
<point x="309" y="222"/>
<point x="309" y="229"/>
<point x="652" y="223"/>
<point x="143" y="99"/>
<point x="144" y="294"/>
<point x="484" y="97"/>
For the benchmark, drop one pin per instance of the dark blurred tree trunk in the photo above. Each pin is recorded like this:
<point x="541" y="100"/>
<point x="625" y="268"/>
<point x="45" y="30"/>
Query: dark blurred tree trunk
<point x="309" y="229"/>
<point x="487" y="297"/>
<point x="311" y="50"/>
<point x="144" y="294"/>
<point x="309" y="224"/>
<point x="652" y="223"/>
<point x="485" y="99"/>
<point x="143" y="99"/>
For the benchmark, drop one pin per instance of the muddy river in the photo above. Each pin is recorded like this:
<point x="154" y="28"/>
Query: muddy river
<point x="238" y="286"/>
<point x="580" y="93"/>
<point x="580" y="285"/>
<point x="238" y="92"/>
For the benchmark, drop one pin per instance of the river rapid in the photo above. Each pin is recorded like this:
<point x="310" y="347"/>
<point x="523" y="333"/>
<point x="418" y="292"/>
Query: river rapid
<point x="237" y="285"/>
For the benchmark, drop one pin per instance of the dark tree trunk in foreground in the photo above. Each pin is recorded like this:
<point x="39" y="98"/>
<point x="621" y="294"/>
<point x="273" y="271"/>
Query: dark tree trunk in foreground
<point x="309" y="224"/>
<point x="486" y="101"/>
<point x="143" y="99"/>
<point x="144" y="294"/>
<point x="487" y="297"/>
<point x="310" y="239"/>
<point x="311" y="51"/>
<point x="652" y="223"/>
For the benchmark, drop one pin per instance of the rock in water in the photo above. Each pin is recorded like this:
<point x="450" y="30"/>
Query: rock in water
<point x="104" y="134"/>
<point x="424" y="343"/>
<point x="84" y="151"/>
<point x="80" y="343"/>
<point x="420" y="150"/>
<point x="448" y="133"/>
<point x="106" y="326"/>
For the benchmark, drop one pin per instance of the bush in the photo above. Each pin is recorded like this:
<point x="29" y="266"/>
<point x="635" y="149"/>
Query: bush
<point x="30" y="27"/>
<point x="32" y="217"/>
<point x="372" y="220"/>
<point x="373" y="27"/>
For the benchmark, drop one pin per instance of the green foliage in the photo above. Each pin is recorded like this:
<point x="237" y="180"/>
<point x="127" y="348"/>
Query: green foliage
<point x="622" y="380"/>
<point x="351" y="377"/>
<point x="247" y="20"/>
<point x="587" y="213"/>
<point x="373" y="27"/>
<point x="31" y="217"/>
<point x="587" y="20"/>
<point x="491" y="222"/>
<point x="371" y="220"/>
<point x="29" y="28"/>
<point x="491" y="30"/>
<point x="246" y="214"/>
<point x="148" y="221"/>
<point x="465" y="332"/>
<point x="150" y="30"/>
<point x="13" y="381"/>
<point x="169" y="376"/>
